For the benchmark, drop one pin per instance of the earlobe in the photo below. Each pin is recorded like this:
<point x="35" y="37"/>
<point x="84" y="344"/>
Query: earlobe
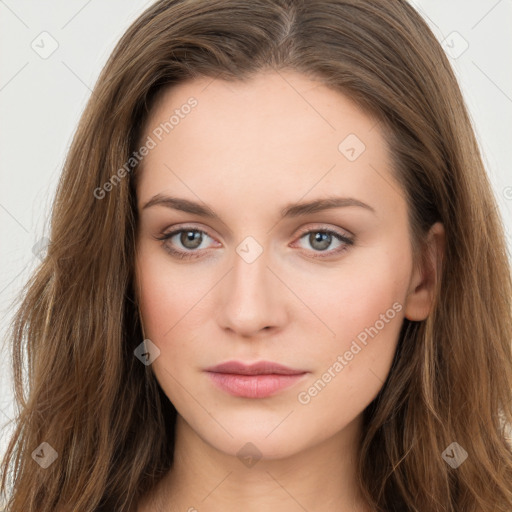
<point x="426" y="274"/>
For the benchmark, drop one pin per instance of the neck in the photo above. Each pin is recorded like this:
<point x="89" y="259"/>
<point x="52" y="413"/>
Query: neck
<point x="205" y="479"/>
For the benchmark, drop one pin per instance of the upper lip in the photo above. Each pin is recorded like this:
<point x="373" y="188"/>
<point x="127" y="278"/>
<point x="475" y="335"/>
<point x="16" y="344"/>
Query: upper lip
<point x="259" y="368"/>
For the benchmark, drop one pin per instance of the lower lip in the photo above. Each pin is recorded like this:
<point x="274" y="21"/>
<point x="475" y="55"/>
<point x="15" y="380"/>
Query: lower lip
<point x="253" y="386"/>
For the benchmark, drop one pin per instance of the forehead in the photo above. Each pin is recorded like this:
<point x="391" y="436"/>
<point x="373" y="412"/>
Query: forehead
<point x="277" y="106"/>
<point x="277" y="133"/>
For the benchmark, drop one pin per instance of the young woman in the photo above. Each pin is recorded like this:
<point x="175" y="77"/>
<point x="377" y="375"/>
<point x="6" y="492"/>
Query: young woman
<point x="277" y="277"/>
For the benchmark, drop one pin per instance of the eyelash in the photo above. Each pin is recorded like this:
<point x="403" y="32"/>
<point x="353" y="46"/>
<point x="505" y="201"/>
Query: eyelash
<point x="190" y="254"/>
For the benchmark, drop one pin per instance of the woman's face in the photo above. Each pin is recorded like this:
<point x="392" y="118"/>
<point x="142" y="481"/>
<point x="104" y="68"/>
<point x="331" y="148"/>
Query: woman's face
<point x="265" y="269"/>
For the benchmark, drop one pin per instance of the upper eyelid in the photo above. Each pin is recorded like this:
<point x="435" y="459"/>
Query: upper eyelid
<point x="175" y="231"/>
<point x="318" y="227"/>
<point x="328" y="229"/>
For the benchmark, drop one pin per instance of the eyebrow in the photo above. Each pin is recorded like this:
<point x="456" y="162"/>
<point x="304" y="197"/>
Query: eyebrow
<point x="289" y="211"/>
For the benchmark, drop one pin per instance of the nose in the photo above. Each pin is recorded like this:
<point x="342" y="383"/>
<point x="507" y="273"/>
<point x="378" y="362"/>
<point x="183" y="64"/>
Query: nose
<point x="252" y="299"/>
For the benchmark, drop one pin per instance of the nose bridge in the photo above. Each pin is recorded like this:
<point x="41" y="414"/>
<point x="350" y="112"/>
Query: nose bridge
<point x="249" y="274"/>
<point x="251" y="300"/>
<point x="249" y="283"/>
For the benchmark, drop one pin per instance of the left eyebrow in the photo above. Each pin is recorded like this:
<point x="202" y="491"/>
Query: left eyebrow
<point x="297" y="209"/>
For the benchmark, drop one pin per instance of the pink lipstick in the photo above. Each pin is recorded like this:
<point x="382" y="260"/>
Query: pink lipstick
<point x="258" y="380"/>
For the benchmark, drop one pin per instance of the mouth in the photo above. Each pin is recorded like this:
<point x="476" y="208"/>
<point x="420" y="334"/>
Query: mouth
<point x="258" y="380"/>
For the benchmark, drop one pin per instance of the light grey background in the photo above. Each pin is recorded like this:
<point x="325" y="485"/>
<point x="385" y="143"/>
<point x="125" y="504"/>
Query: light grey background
<point x="42" y="97"/>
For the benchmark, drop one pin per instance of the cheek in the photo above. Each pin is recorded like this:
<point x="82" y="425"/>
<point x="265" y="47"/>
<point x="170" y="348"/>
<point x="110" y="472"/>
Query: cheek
<point x="164" y="300"/>
<point x="175" y="305"/>
<point x="166" y="297"/>
<point x="368" y="301"/>
<point x="362" y="304"/>
<point x="351" y="368"/>
<point x="355" y="295"/>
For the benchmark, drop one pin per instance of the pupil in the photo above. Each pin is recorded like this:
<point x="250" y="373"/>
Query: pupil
<point x="319" y="240"/>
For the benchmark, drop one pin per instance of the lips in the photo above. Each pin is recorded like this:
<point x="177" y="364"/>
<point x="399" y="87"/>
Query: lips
<point x="259" y="368"/>
<point x="258" y="380"/>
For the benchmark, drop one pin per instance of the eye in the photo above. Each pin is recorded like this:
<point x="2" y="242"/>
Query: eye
<point x="189" y="242"/>
<point x="325" y="241"/>
<point x="185" y="242"/>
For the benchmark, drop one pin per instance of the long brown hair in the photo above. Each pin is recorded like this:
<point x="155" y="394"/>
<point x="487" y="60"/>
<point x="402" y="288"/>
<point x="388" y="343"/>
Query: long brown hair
<point x="78" y="385"/>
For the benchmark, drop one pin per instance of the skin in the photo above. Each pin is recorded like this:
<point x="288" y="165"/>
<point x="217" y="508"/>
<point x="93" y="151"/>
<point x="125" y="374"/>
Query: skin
<point x="247" y="150"/>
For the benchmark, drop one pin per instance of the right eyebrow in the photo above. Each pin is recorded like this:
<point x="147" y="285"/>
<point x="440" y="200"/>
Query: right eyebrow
<point x="181" y="204"/>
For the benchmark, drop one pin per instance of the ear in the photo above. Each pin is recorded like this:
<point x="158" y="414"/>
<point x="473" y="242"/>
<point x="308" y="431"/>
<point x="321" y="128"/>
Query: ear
<point x="426" y="273"/>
